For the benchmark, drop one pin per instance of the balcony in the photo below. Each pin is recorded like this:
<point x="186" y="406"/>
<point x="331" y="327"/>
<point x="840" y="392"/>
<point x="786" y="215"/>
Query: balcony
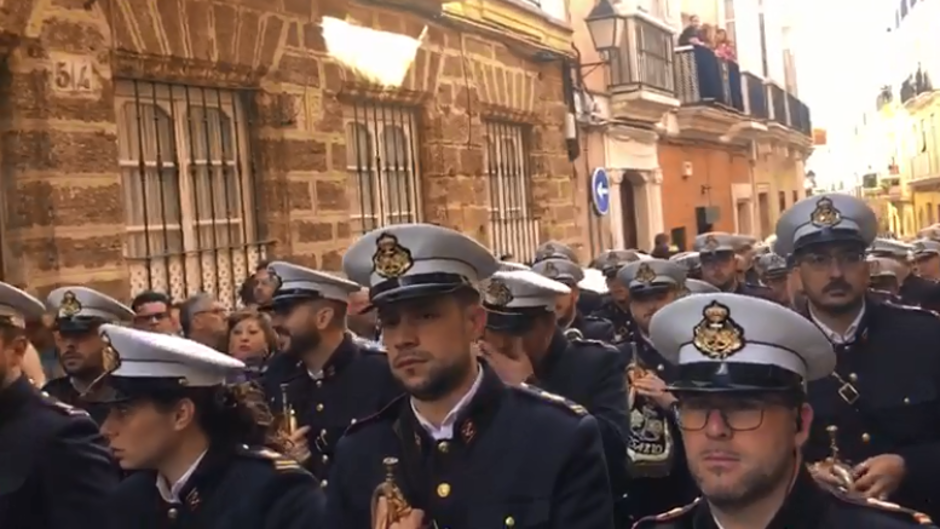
<point x="913" y="89"/>
<point x="710" y="91"/>
<point x="642" y="82"/>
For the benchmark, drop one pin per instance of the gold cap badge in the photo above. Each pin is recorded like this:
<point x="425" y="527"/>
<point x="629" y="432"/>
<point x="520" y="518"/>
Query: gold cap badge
<point x="717" y="336"/>
<point x="825" y="215"/>
<point x="111" y="358"/>
<point x="711" y="243"/>
<point x="497" y="293"/>
<point x="70" y="306"/>
<point x="391" y="259"/>
<point x="551" y="270"/>
<point x="645" y="274"/>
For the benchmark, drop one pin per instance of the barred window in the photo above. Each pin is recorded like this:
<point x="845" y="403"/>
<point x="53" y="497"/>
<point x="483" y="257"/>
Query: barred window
<point x="183" y="156"/>
<point x="512" y="228"/>
<point x="382" y="165"/>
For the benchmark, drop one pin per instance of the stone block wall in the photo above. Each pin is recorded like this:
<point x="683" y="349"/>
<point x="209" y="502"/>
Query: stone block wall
<point x="63" y="201"/>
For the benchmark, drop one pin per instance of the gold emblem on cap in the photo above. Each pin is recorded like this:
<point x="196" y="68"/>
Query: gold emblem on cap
<point x="497" y="293"/>
<point x="551" y="270"/>
<point x="391" y="259"/>
<point x="645" y="274"/>
<point x="717" y="336"/>
<point x="70" y="306"/>
<point x="825" y="214"/>
<point x="109" y="355"/>
<point x="711" y="243"/>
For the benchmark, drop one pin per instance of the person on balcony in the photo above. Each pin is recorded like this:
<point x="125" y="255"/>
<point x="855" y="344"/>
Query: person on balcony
<point x="724" y="46"/>
<point x="692" y="34"/>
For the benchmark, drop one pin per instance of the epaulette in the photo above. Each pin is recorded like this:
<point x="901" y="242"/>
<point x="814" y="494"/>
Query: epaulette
<point x="918" y="518"/>
<point x="281" y="462"/>
<point x="389" y="410"/>
<point x="557" y="400"/>
<point x="912" y="308"/>
<point x="668" y="515"/>
<point x="66" y="409"/>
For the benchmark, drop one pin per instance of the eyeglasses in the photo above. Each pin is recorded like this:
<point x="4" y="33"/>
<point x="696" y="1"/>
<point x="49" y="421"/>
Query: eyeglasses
<point x="738" y="417"/>
<point x="155" y="317"/>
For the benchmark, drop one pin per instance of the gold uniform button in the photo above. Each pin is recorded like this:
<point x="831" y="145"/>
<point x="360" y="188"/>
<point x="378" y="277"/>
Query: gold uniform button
<point x="853" y="377"/>
<point x="320" y="407"/>
<point x="172" y="513"/>
<point x="510" y="521"/>
<point x="443" y="447"/>
<point x="660" y="367"/>
<point x="324" y="483"/>
<point x="319" y="383"/>
<point x="325" y="458"/>
<point x="323" y="433"/>
<point x="352" y="421"/>
<point x="443" y="490"/>
<point x="866" y="438"/>
<point x="907" y="400"/>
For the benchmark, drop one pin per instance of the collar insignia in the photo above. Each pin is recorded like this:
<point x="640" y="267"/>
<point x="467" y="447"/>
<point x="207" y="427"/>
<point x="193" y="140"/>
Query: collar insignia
<point x="391" y="259"/>
<point x="717" y="336"/>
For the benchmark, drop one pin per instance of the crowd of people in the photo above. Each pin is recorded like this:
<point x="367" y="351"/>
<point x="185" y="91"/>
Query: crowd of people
<point x="744" y="384"/>
<point x="708" y="35"/>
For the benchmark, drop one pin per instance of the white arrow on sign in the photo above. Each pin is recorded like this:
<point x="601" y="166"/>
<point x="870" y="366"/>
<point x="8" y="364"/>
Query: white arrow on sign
<point x="602" y="190"/>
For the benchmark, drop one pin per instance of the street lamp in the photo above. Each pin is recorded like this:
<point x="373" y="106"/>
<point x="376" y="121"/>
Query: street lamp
<point x="605" y="26"/>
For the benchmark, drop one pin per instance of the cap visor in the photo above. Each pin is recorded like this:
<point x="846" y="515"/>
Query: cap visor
<point x="412" y="292"/>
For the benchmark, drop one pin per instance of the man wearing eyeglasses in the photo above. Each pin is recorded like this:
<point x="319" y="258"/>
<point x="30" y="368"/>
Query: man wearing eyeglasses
<point x="880" y="406"/>
<point x="742" y="365"/>
<point x="152" y="313"/>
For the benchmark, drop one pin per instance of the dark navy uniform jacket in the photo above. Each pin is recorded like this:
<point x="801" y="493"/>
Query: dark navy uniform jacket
<point x="916" y="290"/>
<point x="593" y="328"/>
<point x="756" y="291"/>
<point x="519" y="458"/>
<point x="55" y="470"/>
<point x="231" y="488"/>
<point x="808" y="506"/>
<point x="591" y="373"/>
<point x="355" y="383"/>
<point x="622" y="320"/>
<point x="885" y="399"/>
<point x="62" y="389"/>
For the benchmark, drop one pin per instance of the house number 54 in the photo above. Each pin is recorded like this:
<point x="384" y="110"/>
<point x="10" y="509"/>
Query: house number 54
<point x="73" y="76"/>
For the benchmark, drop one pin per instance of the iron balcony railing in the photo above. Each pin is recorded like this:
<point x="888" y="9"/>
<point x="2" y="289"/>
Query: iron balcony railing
<point x="703" y="79"/>
<point x="778" y="104"/>
<point x="644" y="60"/>
<point x="756" y="96"/>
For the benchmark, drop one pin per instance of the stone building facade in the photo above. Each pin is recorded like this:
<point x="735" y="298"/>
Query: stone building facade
<point x="173" y="144"/>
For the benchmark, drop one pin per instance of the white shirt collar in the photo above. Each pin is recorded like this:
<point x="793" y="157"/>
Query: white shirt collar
<point x="446" y="430"/>
<point x="834" y="337"/>
<point x="171" y="494"/>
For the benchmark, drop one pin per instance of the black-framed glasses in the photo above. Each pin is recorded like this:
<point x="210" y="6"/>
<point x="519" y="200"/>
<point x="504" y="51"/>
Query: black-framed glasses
<point x="151" y="318"/>
<point x="737" y="417"/>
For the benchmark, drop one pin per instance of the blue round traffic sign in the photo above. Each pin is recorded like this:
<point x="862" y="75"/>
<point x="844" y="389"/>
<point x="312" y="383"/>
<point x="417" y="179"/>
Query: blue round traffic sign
<point x="600" y="191"/>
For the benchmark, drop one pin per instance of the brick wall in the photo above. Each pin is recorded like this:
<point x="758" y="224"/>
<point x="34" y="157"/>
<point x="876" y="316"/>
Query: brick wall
<point x="714" y="170"/>
<point x="64" y="208"/>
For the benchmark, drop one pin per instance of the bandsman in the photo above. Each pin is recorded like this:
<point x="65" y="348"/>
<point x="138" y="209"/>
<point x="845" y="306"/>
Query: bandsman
<point x="718" y="255"/>
<point x="567" y="309"/>
<point x="773" y="271"/>
<point x="616" y="306"/>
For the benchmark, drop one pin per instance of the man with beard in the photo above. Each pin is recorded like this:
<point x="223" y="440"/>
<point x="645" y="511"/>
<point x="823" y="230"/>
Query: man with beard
<point x="656" y="463"/>
<point x="590" y="301"/>
<point x="717" y="253"/>
<point x="774" y="273"/>
<point x="692" y="262"/>
<point x="55" y="470"/>
<point x="523" y="343"/>
<point x="462" y="449"/>
<point x="881" y="402"/>
<point x="616" y="306"/>
<point x="566" y="305"/>
<point x="883" y="279"/>
<point x="336" y="381"/>
<point x="743" y="364"/>
<point x="79" y="313"/>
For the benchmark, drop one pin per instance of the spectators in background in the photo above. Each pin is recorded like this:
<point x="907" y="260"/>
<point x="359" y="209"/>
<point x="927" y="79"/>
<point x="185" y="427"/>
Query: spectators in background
<point x="204" y="319"/>
<point x="692" y="34"/>
<point x="724" y="46"/>
<point x="152" y="313"/>
<point x="264" y="285"/>
<point x="251" y="338"/>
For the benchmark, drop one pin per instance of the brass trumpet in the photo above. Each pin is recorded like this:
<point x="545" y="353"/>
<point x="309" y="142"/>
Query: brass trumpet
<point x="840" y="469"/>
<point x="288" y="415"/>
<point x="398" y="507"/>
